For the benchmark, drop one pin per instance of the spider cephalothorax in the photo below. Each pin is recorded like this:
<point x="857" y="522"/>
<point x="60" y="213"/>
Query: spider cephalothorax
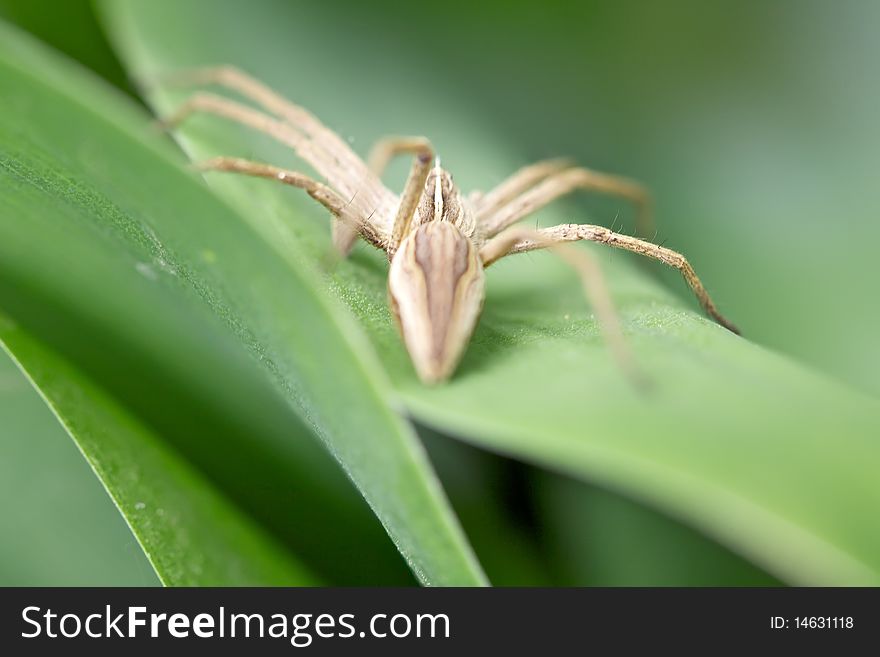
<point x="442" y="201"/>
<point x="438" y="241"/>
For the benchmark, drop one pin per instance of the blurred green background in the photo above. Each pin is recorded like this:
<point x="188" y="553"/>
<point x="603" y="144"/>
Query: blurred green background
<point x="753" y="123"/>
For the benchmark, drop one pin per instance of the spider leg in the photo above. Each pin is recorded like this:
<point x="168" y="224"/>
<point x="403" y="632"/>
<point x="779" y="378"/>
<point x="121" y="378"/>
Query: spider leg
<point x="564" y="182"/>
<point x="509" y="242"/>
<point x="384" y="150"/>
<point x="591" y="278"/>
<point x="231" y="78"/>
<point x="339" y="163"/>
<point x="381" y="154"/>
<point x="367" y="192"/>
<point x="423" y="153"/>
<point x="522" y="180"/>
<point x="338" y="206"/>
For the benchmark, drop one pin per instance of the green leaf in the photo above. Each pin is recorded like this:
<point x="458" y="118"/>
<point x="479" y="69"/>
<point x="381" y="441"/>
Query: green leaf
<point x="771" y="460"/>
<point x="483" y="489"/>
<point x="70" y="27"/>
<point x="597" y="538"/>
<point x="58" y="527"/>
<point x="190" y="533"/>
<point x="117" y="258"/>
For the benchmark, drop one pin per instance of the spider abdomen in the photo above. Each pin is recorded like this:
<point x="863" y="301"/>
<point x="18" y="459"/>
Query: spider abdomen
<point x="436" y="292"/>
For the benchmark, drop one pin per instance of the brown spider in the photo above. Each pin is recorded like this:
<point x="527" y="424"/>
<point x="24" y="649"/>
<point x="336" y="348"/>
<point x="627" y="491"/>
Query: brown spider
<point x="438" y="242"/>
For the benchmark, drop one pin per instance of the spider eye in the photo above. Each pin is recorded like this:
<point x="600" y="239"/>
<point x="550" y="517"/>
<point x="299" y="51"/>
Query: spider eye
<point x="444" y="177"/>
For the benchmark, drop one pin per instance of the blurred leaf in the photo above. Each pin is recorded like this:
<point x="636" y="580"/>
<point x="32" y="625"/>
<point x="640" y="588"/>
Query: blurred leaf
<point x="488" y="497"/>
<point x="189" y="532"/>
<point x="57" y="527"/>
<point x="597" y="538"/>
<point x="743" y="445"/>
<point x="69" y="26"/>
<point x="114" y="256"/>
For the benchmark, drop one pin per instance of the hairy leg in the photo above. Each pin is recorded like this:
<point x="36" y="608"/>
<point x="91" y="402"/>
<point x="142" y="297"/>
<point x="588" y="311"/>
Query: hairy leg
<point x="521" y="181"/>
<point x="502" y="245"/>
<point x="301" y="119"/>
<point x="565" y="182"/>
<point x="338" y="206"/>
<point x="423" y="154"/>
<point x="386" y="149"/>
<point x="381" y="154"/>
<point x="591" y="278"/>
<point x="367" y="195"/>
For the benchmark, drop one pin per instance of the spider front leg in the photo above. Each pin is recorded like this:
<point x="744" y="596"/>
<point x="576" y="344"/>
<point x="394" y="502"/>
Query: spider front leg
<point x="503" y="245"/>
<point x="558" y="184"/>
<point x="372" y="231"/>
<point x="381" y="154"/>
<point x="342" y="169"/>
<point x="207" y="103"/>
<point x="521" y="181"/>
<point x="234" y="79"/>
<point x="423" y="153"/>
<point x="592" y="281"/>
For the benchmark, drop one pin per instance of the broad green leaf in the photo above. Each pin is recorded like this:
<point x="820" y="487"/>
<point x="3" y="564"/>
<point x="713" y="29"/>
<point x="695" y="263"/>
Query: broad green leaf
<point x="190" y="533"/>
<point x="122" y="261"/>
<point x="58" y="527"/>
<point x="760" y="454"/>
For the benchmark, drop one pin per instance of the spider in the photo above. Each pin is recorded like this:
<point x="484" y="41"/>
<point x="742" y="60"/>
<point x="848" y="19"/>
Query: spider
<point x="438" y="241"/>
